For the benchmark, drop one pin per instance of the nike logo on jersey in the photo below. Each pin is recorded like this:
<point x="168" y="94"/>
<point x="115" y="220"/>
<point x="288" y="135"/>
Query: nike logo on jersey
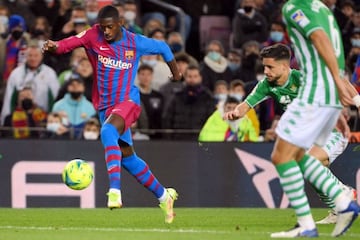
<point x="104" y="48"/>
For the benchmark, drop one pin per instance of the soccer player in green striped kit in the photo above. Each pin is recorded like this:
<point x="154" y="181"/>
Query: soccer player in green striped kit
<point x="282" y="84"/>
<point x="312" y="115"/>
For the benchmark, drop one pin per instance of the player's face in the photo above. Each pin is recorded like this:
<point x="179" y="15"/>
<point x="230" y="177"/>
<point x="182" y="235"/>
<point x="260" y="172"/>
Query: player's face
<point x="273" y="69"/>
<point x="111" y="29"/>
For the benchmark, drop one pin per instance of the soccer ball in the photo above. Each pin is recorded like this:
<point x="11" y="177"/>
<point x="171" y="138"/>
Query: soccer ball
<point x="77" y="174"/>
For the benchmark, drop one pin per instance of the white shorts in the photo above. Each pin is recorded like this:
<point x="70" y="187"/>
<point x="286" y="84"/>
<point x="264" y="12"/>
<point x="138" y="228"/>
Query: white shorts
<point x="304" y="124"/>
<point x="335" y="145"/>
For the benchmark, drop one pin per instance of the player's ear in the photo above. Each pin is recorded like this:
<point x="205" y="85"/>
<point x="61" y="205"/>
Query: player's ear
<point x="122" y="21"/>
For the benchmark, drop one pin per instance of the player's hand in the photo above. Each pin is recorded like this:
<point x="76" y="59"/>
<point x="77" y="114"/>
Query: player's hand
<point x="232" y="115"/>
<point x="344" y="94"/>
<point x="50" y="46"/>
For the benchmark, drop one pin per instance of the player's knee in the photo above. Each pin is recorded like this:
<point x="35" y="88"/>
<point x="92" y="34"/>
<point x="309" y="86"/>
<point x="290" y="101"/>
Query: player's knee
<point x="108" y="133"/>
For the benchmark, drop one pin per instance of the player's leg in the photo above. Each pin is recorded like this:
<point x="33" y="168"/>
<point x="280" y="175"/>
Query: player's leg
<point x="115" y="121"/>
<point x="334" y="146"/>
<point x="109" y="138"/>
<point x="292" y="182"/>
<point x="141" y="171"/>
<point x="302" y="125"/>
<point x="318" y="175"/>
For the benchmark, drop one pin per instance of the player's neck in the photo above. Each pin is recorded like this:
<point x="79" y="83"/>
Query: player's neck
<point x="283" y="79"/>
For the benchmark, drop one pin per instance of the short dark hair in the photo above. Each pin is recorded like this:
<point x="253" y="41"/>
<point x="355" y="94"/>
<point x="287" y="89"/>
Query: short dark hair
<point x="145" y="67"/>
<point x="277" y="51"/>
<point x="236" y="82"/>
<point x="182" y="57"/>
<point x="192" y="67"/>
<point x="152" y="33"/>
<point x="230" y="99"/>
<point x="108" y="12"/>
<point x="279" y="23"/>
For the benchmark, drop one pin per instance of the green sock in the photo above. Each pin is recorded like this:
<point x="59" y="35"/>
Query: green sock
<point x="328" y="201"/>
<point x="292" y="182"/>
<point x="319" y="177"/>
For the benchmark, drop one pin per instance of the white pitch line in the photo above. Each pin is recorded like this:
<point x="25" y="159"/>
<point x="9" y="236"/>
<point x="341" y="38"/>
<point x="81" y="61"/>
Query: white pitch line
<point x="153" y="230"/>
<point x="158" y="230"/>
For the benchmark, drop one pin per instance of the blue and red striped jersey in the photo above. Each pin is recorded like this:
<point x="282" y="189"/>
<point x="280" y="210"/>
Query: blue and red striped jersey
<point x="115" y="63"/>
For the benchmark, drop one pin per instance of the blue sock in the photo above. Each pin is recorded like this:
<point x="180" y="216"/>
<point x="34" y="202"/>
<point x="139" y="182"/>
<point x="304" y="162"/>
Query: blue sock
<point x="140" y="170"/>
<point x="109" y="139"/>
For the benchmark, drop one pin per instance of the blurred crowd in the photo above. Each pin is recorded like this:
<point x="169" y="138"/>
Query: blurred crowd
<point x="49" y="96"/>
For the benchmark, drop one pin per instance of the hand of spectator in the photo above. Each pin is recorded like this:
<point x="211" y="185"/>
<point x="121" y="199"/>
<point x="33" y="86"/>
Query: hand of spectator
<point x="50" y="46"/>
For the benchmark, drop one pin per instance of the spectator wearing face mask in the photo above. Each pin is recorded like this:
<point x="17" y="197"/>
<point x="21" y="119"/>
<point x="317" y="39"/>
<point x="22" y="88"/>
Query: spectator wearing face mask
<point x="234" y="63"/>
<point x="190" y="107"/>
<point x="77" y="23"/>
<point x="216" y="129"/>
<point x="92" y="9"/>
<point x="25" y="116"/>
<point x="55" y="129"/>
<point x="34" y="74"/>
<point x="215" y="65"/>
<point x="13" y="46"/>
<point x="221" y="91"/>
<point x="130" y="14"/>
<point x="249" y="24"/>
<point x="177" y="45"/>
<point x="91" y="129"/>
<point x="161" y="73"/>
<point x="278" y="35"/>
<point x="75" y="105"/>
<point x="237" y="90"/>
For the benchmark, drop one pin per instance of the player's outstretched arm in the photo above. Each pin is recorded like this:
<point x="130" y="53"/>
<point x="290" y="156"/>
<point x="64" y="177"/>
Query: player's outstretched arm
<point x="324" y="47"/>
<point x="174" y="69"/>
<point x="239" y="112"/>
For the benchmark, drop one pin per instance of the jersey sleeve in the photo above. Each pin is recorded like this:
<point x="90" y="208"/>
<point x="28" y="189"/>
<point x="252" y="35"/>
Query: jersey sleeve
<point x="302" y="17"/>
<point x="258" y="94"/>
<point x="149" y="46"/>
<point x="80" y="40"/>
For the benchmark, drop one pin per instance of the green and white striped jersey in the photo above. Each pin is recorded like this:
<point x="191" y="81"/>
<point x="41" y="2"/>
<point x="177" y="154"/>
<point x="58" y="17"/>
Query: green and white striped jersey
<point x="281" y="94"/>
<point x="303" y="17"/>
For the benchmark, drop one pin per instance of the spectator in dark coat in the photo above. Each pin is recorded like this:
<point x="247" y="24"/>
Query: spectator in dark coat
<point x="190" y="108"/>
<point x="249" y="24"/>
<point x="152" y="100"/>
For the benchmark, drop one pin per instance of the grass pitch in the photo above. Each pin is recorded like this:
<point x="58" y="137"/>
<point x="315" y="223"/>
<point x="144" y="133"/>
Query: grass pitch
<point x="147" y="224"/>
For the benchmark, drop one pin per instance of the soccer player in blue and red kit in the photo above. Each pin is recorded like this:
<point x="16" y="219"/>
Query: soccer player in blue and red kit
<point x="114" y="54"/>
